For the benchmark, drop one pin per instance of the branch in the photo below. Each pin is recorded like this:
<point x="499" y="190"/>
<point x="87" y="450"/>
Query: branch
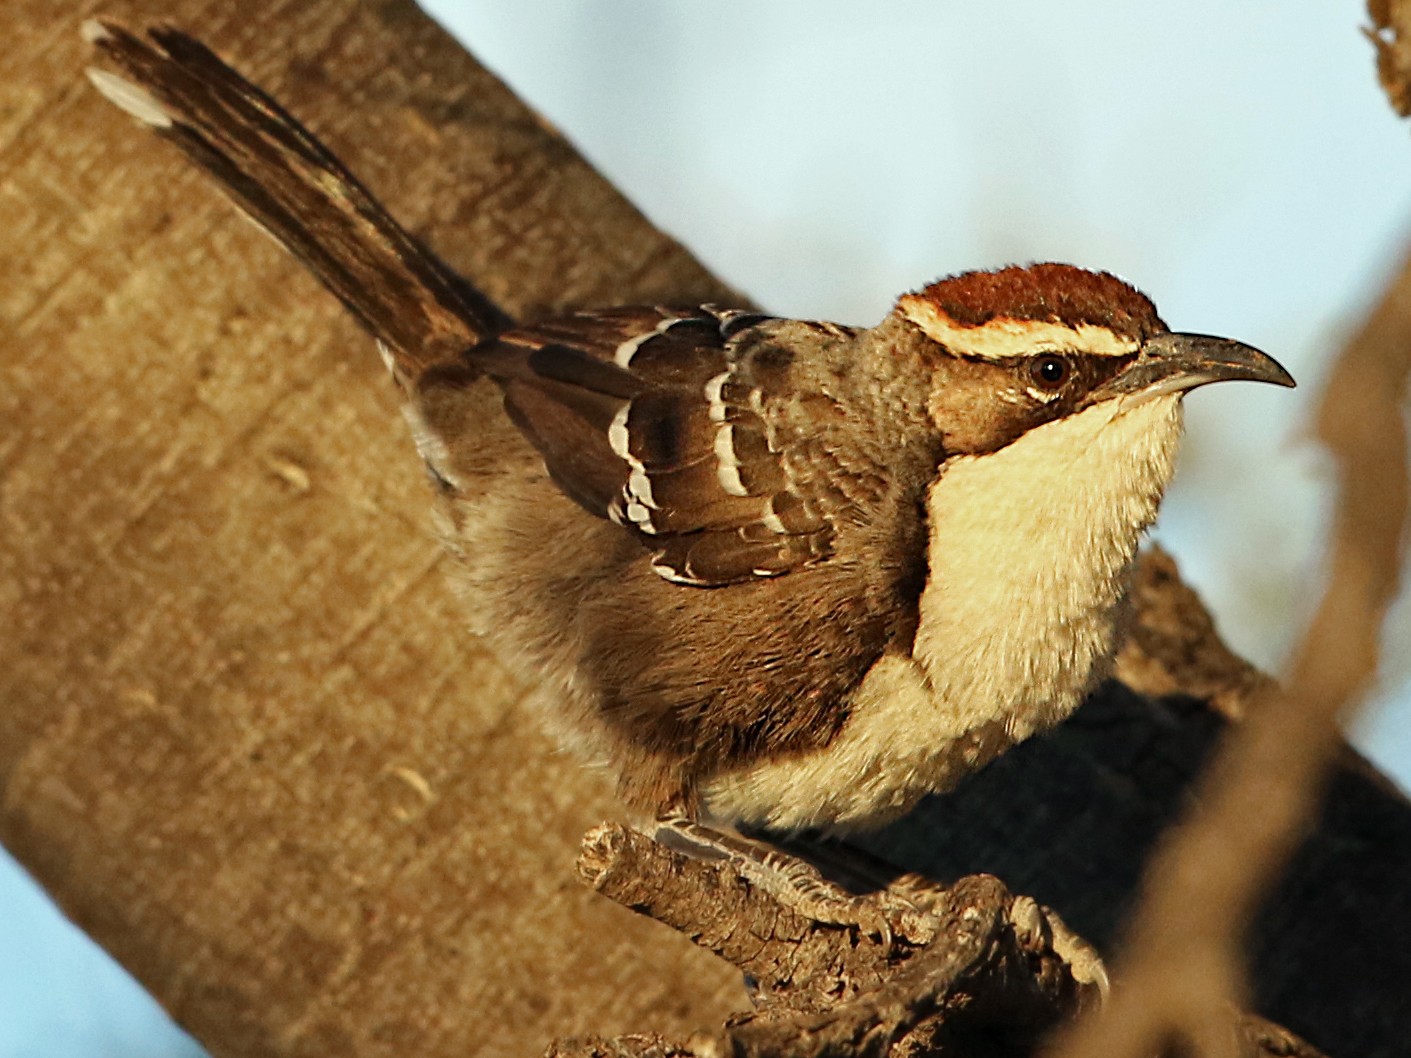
<point x="244" y="740"/>
<point x="984" y="974"/>
<point x="984" y="965"/>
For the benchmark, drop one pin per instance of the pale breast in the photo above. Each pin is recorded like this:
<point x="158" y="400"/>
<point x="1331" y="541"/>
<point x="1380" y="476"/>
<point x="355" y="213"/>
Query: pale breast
<point x="1029" y="552"/>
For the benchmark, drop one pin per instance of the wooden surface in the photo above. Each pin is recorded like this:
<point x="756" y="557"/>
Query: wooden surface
<point x="242" y="740"/>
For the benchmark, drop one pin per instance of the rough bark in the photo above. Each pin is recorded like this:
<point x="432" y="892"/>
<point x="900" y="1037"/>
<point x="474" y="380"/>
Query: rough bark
<point x="972" y="971"/>
<point x="242" y="740"/>
<point x="978" y="972"/>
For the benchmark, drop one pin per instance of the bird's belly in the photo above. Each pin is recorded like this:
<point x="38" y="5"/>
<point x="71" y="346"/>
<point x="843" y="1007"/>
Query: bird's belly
<point x="903" y="740"/>
<point x="900" y="744"/>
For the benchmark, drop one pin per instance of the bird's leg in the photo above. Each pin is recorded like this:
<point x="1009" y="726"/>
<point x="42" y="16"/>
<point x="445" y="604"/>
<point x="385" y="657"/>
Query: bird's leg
<point x="799" y="885"/>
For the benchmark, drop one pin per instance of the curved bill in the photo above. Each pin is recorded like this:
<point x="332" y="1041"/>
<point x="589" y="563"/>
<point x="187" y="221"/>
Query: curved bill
<point x="1172" y="363"/>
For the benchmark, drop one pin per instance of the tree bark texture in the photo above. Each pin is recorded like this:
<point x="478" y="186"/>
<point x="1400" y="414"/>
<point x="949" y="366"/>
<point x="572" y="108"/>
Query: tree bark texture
<point x="972" y="971"/>
<point x="244" y="742"/>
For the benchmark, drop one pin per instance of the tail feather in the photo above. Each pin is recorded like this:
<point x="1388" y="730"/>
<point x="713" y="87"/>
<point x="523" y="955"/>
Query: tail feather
<point x="284" y="179"/>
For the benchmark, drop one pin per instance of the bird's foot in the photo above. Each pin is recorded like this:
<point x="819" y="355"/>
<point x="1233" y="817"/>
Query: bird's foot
<point x="1039" y="927"/>
<point x="798" y="885"/>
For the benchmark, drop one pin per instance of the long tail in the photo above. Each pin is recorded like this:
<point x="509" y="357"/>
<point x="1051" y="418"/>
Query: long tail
<point x="418" y="308"/>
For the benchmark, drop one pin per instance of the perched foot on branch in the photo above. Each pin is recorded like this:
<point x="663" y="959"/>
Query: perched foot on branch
<point x="992" y="977"/>
<point x="1039" y="928"/>
<point x="798" y="884"/>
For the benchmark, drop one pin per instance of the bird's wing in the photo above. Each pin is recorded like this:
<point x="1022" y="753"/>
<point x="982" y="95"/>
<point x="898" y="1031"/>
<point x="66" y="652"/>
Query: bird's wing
<point x="680" y="426"/>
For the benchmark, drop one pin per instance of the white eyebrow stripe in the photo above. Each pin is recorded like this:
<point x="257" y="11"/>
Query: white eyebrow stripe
<point x="1003" y="339"/>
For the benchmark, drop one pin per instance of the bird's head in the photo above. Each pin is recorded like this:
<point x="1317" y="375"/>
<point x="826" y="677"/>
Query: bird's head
<point x="1016" y="348"/>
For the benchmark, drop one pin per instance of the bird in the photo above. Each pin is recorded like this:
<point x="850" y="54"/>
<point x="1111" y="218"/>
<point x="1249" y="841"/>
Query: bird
<point x="776" y="573"/>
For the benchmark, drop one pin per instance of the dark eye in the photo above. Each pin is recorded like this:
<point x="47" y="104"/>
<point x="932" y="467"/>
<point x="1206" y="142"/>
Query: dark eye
<point x="1050" y="372"/>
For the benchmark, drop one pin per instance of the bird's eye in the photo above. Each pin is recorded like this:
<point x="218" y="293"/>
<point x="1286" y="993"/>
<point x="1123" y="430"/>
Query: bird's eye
<point x="1049" y="372"/>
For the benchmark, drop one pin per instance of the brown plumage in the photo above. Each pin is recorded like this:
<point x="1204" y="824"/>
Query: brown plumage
<point x="688" y="656"/>
<point x="833" y="440"/>
<point x="795" y="572"/>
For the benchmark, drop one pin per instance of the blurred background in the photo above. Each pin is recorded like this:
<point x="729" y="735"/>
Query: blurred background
<point x="1236" y="162"/>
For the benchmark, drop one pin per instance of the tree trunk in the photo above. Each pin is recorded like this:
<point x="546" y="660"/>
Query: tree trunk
<point x="244" y="742"/>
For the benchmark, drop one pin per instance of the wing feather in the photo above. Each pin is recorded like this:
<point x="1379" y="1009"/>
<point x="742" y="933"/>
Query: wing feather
<point x="672" y="423"/>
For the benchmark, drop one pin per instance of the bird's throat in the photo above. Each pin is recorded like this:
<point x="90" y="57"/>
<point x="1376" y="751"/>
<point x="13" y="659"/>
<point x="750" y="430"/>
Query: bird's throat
<point x="1029" y="550"/>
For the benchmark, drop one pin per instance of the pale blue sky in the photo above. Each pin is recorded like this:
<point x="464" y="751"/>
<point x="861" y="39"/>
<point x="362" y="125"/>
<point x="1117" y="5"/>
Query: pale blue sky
<point x="1237" y="162"/>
